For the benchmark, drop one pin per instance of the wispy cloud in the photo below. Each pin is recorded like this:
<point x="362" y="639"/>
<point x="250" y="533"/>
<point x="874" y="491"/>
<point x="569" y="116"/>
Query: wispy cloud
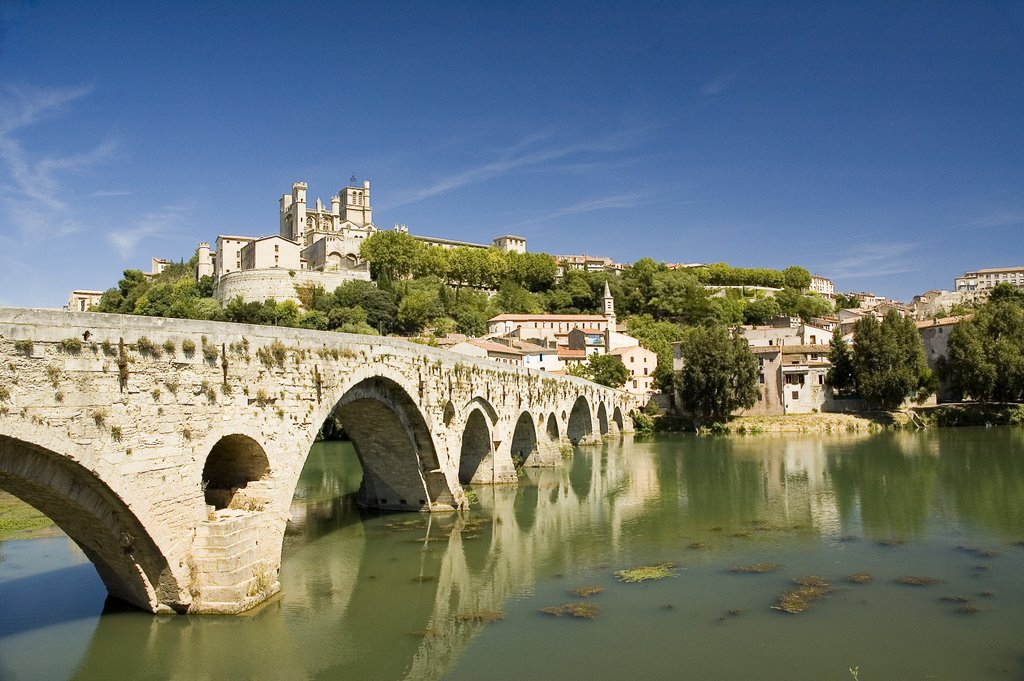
<point x="30" y="185"/>
<point x="104" y="193"/>
<point x="715" y="87"/>
<point x="879" y="260"/>
<point x="159" y="223"/>
<point x="530" y="153"/>
<point x="603" y="203"/>
<point x="992" y="219"/>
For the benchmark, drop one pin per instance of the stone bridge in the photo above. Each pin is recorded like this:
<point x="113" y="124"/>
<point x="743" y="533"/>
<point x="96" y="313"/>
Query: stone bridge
<point x="169" y="450"/>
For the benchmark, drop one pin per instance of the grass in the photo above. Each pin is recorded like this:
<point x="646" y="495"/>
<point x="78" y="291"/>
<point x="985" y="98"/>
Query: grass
<point x="586" y="591"/>
<point x="18" y="519"/>
<point x="579" y="610"/>
<point x="809" y="589"/>
<point x="480" y="616"/>
<point x="645" y="573"/>
<point x="756" y="568"/>
<point x="919" y="580"/>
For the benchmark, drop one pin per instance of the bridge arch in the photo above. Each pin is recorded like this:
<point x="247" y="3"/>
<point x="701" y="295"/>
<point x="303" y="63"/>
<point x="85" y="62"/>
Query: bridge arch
<point x="476" y="449"/>
<point x="95" y="515"/>
<point x="233" y="462"/>
<point x="618" y="420"/>
<point x="393" y="445"/>
<point x="581" y="424"/>
<point x="524" y="443"/>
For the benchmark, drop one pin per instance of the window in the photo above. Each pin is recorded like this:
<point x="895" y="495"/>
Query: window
<point x="796" y="395"/>
<point x="634" y="380"/>
<point x="821" y="379"/>
<point x="645" y="371"/>
<point x="760" y="379"/>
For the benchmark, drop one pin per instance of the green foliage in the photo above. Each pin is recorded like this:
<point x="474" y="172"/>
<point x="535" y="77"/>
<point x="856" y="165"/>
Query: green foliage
<point x="840" y="373"/>
<point x="888" y="360"/>
<point x="71" y="346"/>
<point x="147" y="347"/>
<point x="761" y="310"/>
<point x="23" y="347"/>
<point x="188" y="347"/>
<point x="719" y="374"/>
<point x="608" y="370"/>
<point x="985" y="354"/>
<point x="393" y="255"/>
<point x="796" y="303"/>
<point x="845" y="302"/>
<point x="796" y="277"/>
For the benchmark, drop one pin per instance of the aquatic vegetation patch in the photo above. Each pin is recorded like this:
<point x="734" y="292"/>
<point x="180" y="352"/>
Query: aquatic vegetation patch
<point x="809" y="589"/>
<point x="586" y="591"/>
<point x="919" y="580"/>
<point x="480" y="616"/>
<point x="892" y="541"/>
<point x="968" y="609"/>
<point x="860" y="578"/>
<point x="950" y="598"/>
<point x="579" y="610"/>
<point x="426" y="633"/>
<point x="756" y="568"/>
<point x="698" y="546"/>
<point x="644" y="573"/>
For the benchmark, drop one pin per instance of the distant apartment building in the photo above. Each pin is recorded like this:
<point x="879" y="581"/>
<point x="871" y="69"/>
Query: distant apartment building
<point x="587" y="263"/>
<point x="822" y="286"/>
<point x="980" y="280"/>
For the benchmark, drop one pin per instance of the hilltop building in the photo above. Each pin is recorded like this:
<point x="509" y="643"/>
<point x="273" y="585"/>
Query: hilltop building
<point x="979" y="280"/>
<point x="315" y="245"/>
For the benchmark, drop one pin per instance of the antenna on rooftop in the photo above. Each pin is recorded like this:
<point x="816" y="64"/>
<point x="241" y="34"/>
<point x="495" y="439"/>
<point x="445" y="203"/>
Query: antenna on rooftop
<point x="352" y="180"/>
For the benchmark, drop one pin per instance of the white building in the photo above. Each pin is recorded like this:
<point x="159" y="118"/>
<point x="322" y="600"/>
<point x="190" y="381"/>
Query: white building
<point x="987" y="278"/>
<point x="823" y="286"/>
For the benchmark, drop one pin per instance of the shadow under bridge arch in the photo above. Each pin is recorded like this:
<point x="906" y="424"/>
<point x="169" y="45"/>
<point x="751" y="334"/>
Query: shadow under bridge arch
<point x="394" y="446"/>
<point x="133" y="568"/>
<point x="580" y="429"/>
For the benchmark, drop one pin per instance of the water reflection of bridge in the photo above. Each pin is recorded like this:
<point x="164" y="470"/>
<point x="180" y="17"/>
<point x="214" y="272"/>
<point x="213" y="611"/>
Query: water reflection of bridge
<point x="354" y="594"/>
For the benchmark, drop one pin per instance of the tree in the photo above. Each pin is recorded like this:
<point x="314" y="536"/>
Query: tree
<point x="657" y="337"/>
<point x="678" y="296"/>
<point x="796" y="277"/>
<point x="888" y="360"/>
<point x="391" y="254"/>
<point x="761" y="311"/>
<point x="985" y="354"/>
<point x="840" y="373"/>
<point x="608" y="370"/>
<point x="719" y="374"/>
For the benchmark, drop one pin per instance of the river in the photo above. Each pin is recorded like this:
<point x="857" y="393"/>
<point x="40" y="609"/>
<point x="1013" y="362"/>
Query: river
<point x="459" y="596"/>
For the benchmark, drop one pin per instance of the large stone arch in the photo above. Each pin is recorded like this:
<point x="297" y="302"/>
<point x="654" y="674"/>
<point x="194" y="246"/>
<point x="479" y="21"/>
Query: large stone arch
<point x="580" y="428"/>
<point x="131" y="564"/>
<point x="476" y="453"/>
<point x="400" y="465"/>
<point x="618" y="420"/>
<point x="524" y="444"/>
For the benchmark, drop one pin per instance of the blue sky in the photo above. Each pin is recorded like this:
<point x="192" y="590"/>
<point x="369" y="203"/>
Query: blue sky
<point x="880" y="144"/>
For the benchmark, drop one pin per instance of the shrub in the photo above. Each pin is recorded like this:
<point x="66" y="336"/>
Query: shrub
<point x="147" y="347"/>
<point x="53" y="374"/>
<point x="169" y="347"/>
<point x="72" y="346"/>
<point x="188" y="347"/>
<point x="115" y="432"/>
<point x="23" y="346"/>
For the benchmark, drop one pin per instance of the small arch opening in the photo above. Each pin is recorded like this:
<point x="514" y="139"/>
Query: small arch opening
<point x="233" y="463"/>
<point x="476" y="447"/>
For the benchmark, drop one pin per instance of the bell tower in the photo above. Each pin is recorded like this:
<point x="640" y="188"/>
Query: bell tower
<point x="355" y="203"/>
<point x="609" y="306"/>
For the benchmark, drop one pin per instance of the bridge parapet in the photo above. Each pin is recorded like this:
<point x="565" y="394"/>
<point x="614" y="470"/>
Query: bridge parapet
<point x="181" y="428"/>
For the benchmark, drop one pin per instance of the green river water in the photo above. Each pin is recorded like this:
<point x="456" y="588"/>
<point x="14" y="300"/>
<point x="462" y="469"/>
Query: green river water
<point x="394" y="596"/>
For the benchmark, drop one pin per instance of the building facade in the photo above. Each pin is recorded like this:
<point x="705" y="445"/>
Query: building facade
<point x="980" y="280"/>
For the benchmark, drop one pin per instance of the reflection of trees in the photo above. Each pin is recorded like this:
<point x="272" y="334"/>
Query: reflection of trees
<point x="894" y="490"/>
<point x="983" y="472"/>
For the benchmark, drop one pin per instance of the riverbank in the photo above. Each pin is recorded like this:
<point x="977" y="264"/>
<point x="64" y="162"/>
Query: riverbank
<point x="865" y="422"/>
<point x="942" y="416"/>
<point x="18" y="520"/>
